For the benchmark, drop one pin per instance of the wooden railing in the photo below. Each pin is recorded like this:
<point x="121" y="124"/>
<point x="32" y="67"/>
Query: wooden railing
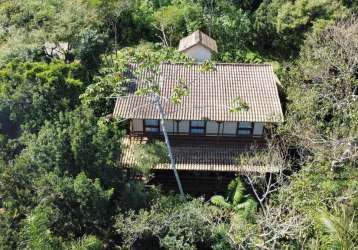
<point x="184" y="138"/>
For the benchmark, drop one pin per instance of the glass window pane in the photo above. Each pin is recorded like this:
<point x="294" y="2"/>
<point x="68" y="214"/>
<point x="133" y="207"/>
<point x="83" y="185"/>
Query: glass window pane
<point x="244" y="132"/>
<point x="245" y="124"/>
<point x="197" y="131"/>
<point x="151" y="130"/>
<point x="151" y="122"/>
<point x="197" y="123"/>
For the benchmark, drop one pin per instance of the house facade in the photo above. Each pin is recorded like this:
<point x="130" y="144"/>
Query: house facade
<point x="205" y="133"/>
<point x="151" y="127"/>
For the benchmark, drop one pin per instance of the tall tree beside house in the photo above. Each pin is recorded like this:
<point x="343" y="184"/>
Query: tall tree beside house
<point x="112" y="80"/>
<point x="147" y="63"/>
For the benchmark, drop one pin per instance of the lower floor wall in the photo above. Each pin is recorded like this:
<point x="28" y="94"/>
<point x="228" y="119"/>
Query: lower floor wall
<point x="211" y="127"/>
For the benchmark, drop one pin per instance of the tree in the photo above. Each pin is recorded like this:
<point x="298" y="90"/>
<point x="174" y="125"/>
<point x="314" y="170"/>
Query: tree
<point x="28" y="25"/>
<point x="172" y="224"/>
<point x="174" y="20"/>
<point x="79" y="141"/>
<point x="319" y="131"/>
<point x="242" y="204"/>
<point x="149" y="64"/>
<point x="341" y="228"/>
<point x="149" y="155"/>
<point x="326" y="74"/>
<point x="31" y="93"/>
<point x="67" y="208"/>
<point x="283" y="24"/>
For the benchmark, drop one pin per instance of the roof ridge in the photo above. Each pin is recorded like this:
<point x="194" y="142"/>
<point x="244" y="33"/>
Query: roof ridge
<point x="200" y="37"/>
<point x="197" y="37"/>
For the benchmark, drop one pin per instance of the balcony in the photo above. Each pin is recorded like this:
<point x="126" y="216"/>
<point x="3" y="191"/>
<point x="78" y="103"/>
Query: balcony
<point x="200" y="153"/>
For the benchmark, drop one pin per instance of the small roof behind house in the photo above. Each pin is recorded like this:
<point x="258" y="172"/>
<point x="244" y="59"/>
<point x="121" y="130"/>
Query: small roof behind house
<point x="211" y="94"/>
<point x="195" y="38"/>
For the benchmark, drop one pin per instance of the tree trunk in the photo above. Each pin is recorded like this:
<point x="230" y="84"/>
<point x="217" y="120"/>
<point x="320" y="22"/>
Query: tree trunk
<point x="170" y="154"/>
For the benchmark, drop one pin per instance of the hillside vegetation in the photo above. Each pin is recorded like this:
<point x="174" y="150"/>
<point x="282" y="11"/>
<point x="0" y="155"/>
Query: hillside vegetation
<point x="61" y="185"/>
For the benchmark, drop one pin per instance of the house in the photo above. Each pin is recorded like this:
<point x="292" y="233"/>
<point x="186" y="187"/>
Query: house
<point x="205" y="135"/>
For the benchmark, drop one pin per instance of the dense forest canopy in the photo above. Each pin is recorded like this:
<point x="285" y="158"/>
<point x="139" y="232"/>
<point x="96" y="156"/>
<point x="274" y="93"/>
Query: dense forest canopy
<point x="61" y="185"/>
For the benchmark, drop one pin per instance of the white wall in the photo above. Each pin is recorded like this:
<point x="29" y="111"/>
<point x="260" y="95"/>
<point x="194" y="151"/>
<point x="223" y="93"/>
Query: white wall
<point x="227" y="128"/>
<point x="230" y="128"/>
<point x="199" y="53"/>
<point x="258" y="129"/>
<point x="137" y="125"/>
<point x="169" y="126"/>
<point x="184" y="127"/>
<point x="211" y="127"/>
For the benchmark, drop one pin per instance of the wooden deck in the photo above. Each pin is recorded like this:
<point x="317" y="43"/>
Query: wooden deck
<point x="200" y="153"/>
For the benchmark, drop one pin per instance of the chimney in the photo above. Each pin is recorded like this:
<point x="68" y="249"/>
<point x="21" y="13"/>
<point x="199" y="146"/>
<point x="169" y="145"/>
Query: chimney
<point x="198" y="46"/>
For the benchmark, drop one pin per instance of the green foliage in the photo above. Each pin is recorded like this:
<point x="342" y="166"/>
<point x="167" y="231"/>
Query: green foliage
<point x="60" y="183"/>
<point x="154" y="89"/>
<point x="282" y="25"/>
<point x="238" y="105"/>
<point x="324" y="77"/>
<point x="113" y="80"/>
<point x="27" y="25"/>
<point x="149" y="155"/>
<point x="244" y="206"/>
<point x="241" y="56"/>
<point x="54" y="207"/>
<point x="171" y="21"/>
<point x="340" y="230"/>
<point x="179" y="91"/>
<point x="219" y="200"/>
<point x="136" y="195"/>
<point x="322" y="108"/>
<point x="89" y="242"/>
<point x="31" y="93"/>
<point x="171" y="224"/>
<point x="36" y="232"/>
<point x="207" y="66"/>
<point x="78" y="141"/>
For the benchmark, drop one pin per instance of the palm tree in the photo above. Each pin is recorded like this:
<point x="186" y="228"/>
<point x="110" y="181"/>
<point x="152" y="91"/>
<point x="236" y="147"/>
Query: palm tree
<point x="242" y="204"/>
<point x="340" y="230"/>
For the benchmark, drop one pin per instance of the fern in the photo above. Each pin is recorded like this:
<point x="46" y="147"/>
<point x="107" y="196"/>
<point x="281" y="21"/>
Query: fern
<point x="245" y="209"/>
<point x="239" y="193"/>
<point x="220" y="201"/>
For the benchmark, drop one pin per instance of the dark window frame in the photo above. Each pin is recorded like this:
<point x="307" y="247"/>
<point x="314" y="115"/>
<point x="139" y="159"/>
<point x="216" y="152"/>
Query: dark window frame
<point x="251" y="130"/>
<point x="151" y="126"/>
<point x="177" y="124"/>
<point x="197" y="127"/>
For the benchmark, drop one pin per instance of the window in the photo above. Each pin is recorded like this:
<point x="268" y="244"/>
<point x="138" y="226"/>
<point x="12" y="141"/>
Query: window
<point x="151" y="126"/>
<point x="197" y="127"/>
<point x="244" y="128"/>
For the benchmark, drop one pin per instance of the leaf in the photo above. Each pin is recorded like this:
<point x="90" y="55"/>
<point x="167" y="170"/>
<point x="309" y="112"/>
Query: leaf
<point x="238" y="105"/>
<point x="154" y="89"/>
<point x="219" y="201"/>
<point x="179" y="91"/>
<point x="239" y="193"/>
<point x="207" y="66"/>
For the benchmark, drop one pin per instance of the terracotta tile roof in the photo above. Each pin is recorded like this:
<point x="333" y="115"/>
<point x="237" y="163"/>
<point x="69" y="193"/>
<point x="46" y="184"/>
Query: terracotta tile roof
<point x="210" y="94"/>
<point x="204" y="157"/>
<point x="195" y="38"/>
